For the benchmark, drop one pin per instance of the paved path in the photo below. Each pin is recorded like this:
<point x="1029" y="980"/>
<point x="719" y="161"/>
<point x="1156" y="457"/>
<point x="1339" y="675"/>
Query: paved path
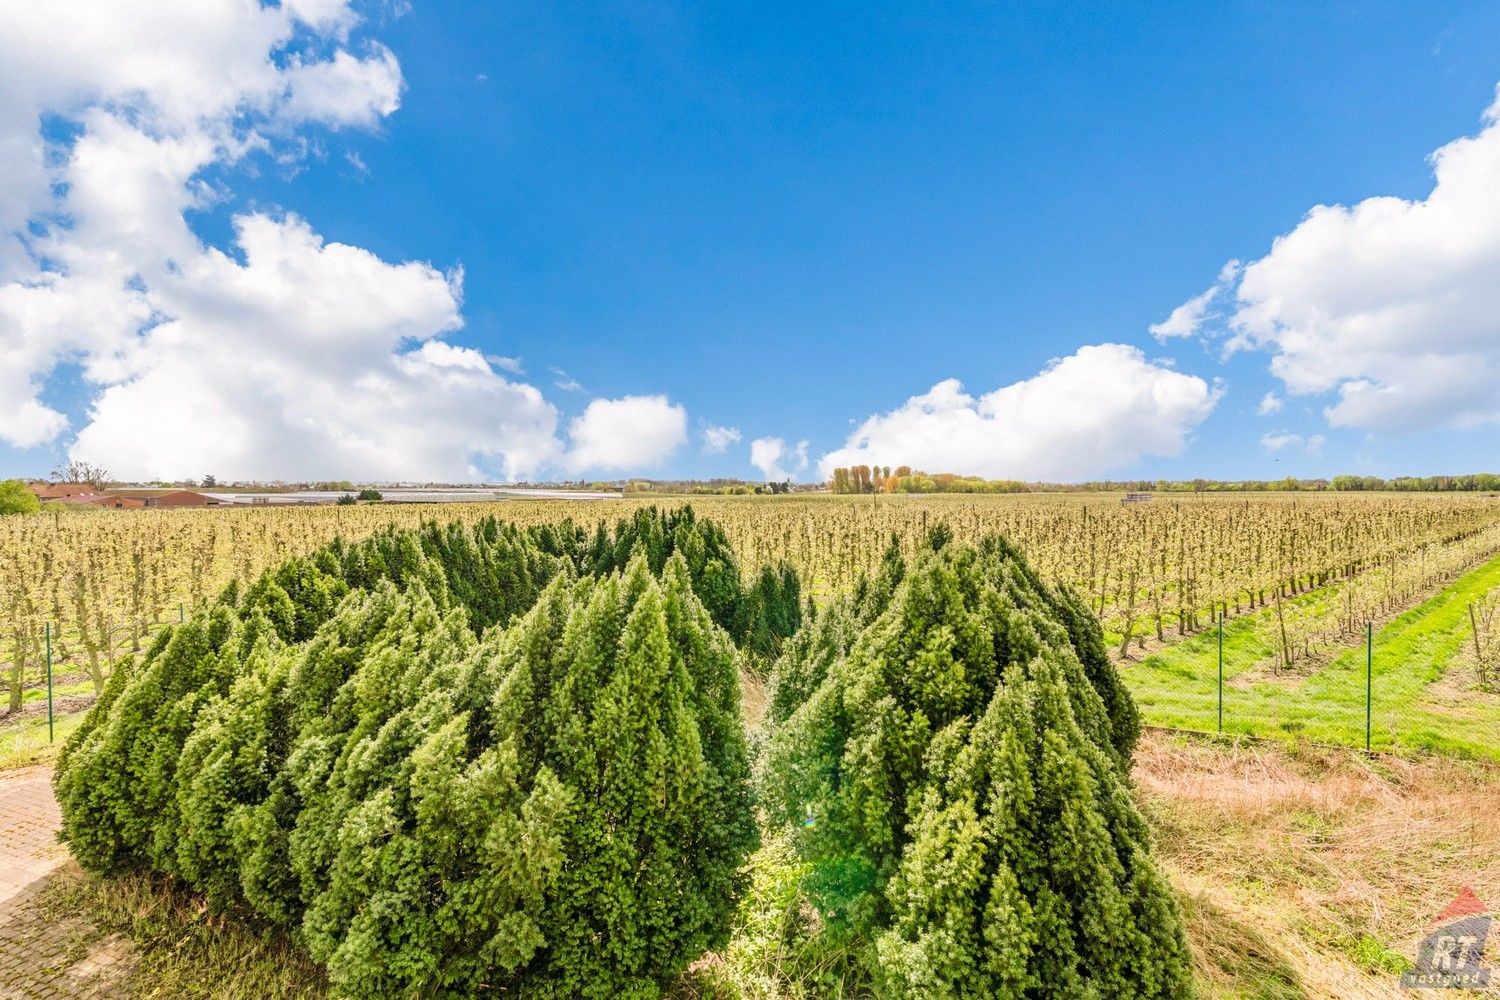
<point x="29" y="821"/>
<point x="45" y="956"/>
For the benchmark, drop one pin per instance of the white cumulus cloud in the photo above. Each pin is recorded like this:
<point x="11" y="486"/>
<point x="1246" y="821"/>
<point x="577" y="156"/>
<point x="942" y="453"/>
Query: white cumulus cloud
<point x="716" y="440"/>
<point x="1391" y="307"/>
<point x="1097" y="410"/>
<point x="324" y="387"/>
<point x="631" y="433"/>
<point x="346" y="90"/>
<point x="1282" y="440"/>
<point x="283" y="354"/>
<point x="1270" y="403"/>
<point x="776" y="462"/>
<point x="1189" y="317"/>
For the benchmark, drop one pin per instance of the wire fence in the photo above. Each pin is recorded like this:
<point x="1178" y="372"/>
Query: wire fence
<point x="66" y="683"/>
<point x="1412" y="685"/>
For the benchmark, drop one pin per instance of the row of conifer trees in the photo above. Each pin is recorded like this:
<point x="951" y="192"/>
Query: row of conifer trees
<point x="464" y="760"/>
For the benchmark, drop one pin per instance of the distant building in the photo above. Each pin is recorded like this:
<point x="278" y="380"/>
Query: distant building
<point x="1136" y="498"/>
<point x="121" y="503"/>
<point x="57" y="491"/>
<point x="79" y="499"/>
<point x="127" y="499"/>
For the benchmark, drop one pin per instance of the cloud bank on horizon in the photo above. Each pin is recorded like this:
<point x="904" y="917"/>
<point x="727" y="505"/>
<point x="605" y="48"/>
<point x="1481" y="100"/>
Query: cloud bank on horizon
<point x="283" y="355"/>
<point x="1392" y="306"/>
<point x="1101" y="408"/>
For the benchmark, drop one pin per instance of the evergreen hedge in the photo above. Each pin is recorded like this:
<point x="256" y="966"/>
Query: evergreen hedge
<point x="951" y="748"/>
<point x="466" y="760"/>
<point x="449" y="761"/>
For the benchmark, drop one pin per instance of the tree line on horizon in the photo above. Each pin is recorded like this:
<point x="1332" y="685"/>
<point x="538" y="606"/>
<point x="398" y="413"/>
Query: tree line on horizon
<point x="858" y="479"/>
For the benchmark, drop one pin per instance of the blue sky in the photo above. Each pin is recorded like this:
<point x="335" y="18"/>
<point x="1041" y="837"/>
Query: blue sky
<point x="787" y="221"/>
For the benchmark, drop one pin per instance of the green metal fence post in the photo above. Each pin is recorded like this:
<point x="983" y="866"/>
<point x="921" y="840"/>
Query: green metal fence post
<point x="48" y="632"/>
<point x="1221" y="671"/>
<point x="1369" y="676"/>
<point x="179" y="614"/>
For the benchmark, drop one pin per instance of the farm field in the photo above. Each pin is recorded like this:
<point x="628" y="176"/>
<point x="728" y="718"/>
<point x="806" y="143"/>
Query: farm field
<point x="1291" y="927"/>
<point x="1296" y="575"/>
<point x="1425" y="694"/>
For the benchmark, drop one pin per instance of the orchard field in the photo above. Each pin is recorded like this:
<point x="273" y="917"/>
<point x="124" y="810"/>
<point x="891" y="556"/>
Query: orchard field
<point x="1297" y="576"/>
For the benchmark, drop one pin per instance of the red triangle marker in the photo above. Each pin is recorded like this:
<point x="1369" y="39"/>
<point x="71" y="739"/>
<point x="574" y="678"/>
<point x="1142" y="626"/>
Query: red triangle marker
<point x="1466" y="905"/>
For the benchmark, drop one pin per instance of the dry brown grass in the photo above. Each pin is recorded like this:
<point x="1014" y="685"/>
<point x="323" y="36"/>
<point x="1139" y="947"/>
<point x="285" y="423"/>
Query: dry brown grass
<point x="179" y="949"/>
<point x="1308" y="872"/>
<point x="755" y="698"/>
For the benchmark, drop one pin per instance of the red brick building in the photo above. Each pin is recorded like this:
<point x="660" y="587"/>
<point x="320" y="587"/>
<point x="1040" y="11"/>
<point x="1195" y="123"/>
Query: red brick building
<point x="126" y="499"/>
<point x="57" y="491"/>
<point x="79" y="499"/>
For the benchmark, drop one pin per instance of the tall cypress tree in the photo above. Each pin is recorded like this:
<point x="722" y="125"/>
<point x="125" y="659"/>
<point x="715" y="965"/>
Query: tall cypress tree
<point x="628" y="693"/>
<point x="366" y="748"/>
<point x="952" y="751"/>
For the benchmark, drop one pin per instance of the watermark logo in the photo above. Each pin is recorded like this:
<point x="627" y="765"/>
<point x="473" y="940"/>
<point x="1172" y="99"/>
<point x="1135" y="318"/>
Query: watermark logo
<point x="1450" y="956"/>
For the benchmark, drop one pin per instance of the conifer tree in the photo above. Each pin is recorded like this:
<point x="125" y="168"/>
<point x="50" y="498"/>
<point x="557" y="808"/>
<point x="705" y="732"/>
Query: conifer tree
<point x="630" y="695"/>
<point x="773" y="610"/>
<point x="952" y="750"/>
<point x="116" y="779"/>
<point x="657" y="535"/>
<point x="369" y="749"/>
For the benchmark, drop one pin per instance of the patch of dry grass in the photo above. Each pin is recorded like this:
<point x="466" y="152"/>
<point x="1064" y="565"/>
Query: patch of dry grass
<point x="1313" y="872"/>
<point x="182" y="949"/>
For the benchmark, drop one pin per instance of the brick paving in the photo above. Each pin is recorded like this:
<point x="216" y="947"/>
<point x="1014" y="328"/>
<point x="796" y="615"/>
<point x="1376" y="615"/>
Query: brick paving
<point x="29" y="821"/>
<point x="42" y="956"/>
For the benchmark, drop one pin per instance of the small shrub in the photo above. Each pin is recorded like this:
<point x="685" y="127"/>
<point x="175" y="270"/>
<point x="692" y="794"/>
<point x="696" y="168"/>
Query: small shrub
<point x="15" y="498"/>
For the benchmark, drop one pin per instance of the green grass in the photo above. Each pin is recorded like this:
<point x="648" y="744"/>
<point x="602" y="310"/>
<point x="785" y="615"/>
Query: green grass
<point x="73" y="685"/>
<point x="26" y="743"/>
<point x="1178" y="686"/>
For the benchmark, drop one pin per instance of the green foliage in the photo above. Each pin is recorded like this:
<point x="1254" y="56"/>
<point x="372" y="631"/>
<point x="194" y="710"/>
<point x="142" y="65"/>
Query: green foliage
<point x="1371" y="955"/>
<point x="950" y="748"/>
<point x="1485" y="482"/>
<point x="443" y="761"/>
<point x="346" y="500"/>
<point x="776" y="951"/>
<point x="625" y="690"/>
<point x="15" y="498"/>
<point x="760" y="617"/>
<point x="773" y="611"/>
<point x="369" y="494"/>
